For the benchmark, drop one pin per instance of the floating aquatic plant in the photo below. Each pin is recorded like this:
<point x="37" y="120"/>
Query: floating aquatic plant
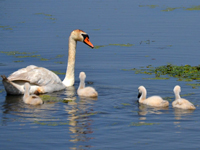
<point x="57" y="72"/>
<point x="43" y="14"/>
<point x="51" y="123"/>
<point x="125" y="45"/>
<point x="50" y="98"/>
<point x="142" y="124"/>
<point x="183" y="73"/>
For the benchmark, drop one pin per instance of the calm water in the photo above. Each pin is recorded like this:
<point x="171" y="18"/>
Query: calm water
<point x="36" y="32"/>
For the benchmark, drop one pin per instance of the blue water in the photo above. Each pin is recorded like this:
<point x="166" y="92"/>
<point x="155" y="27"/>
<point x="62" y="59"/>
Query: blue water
<point x="114" y="120"/>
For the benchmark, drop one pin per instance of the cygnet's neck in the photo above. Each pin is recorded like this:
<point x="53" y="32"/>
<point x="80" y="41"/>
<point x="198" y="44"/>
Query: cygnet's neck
<point x="143" y="96"/>
<point x="177" y="94"/>
<point x="82" y="83"/>
<point x="69" y="77"/>
<point x="26" y="92"/>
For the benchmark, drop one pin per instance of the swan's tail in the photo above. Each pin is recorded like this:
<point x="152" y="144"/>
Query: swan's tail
<point x="10" y="87"/>
<point x="4" y="78"/>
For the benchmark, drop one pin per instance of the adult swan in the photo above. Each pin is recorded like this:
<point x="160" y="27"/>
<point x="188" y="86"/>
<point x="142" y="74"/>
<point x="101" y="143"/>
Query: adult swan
<point x="41" y="79"/>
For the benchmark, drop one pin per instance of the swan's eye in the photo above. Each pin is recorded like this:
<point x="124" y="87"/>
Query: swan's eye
<point x="85" y="36"/>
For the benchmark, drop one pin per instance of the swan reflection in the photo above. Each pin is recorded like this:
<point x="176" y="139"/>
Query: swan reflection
<point x="145" y="109"/>
<point x="79" y="119"/>
<point x="179" y="113"/>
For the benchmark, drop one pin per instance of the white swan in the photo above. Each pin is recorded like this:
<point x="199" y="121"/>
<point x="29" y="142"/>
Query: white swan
<point x="155" y="101"/>
<point x="85" y="91"/>
<point x="31" y="99"/>
<point x="41" y="79"/>
<point x="180" y="102"/>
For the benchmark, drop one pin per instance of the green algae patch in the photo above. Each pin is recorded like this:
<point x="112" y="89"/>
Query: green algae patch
<point x="194" y="8"/>
<point x="156" y="78"/>
<point x="182" y="73"/>
<point x="171" y="9"/>
<point x="142" y="124"/>
<point x="50" y="98"/>
<point x="27" y="56"/>
<point x="44" y="59"/>
<point x="150" y="6"/>
<point x="99" y="46"/>
<point x="49" y="15"/>
<point x="194" y="85"/>
<point x="1" y="90"/>
<point x="51" y="123"/>
<point x="126" y="104"/>
<point x="124" y="45"/>
<point x="59" y="73"/>
<point x="17" y="61"/>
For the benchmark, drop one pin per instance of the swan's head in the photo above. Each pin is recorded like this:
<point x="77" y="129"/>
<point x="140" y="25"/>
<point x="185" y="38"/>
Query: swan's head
<point x="27" y="86"/>
<point x="177" y="88"/>
<point x="141" y="89"/>
<point x="82" y="75"/>
<point x="79" y="35"/>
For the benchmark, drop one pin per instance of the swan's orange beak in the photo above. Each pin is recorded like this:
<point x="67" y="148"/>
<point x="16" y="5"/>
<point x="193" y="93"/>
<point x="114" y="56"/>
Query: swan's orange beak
<point x="87" y="41"/>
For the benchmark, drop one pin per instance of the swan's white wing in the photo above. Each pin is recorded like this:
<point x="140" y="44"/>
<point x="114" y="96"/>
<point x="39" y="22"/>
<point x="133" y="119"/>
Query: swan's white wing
<point x="35" y="75"/>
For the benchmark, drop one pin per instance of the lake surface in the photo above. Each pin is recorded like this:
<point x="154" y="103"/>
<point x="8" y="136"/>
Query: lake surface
<point x="126" y="34"/>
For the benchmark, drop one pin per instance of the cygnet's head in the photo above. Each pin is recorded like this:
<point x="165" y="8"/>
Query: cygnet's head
<point x="177" y="88"/>
<point x="80" y="35"/>
<point x="140" y="90"/>
<point x="82" y="75"/>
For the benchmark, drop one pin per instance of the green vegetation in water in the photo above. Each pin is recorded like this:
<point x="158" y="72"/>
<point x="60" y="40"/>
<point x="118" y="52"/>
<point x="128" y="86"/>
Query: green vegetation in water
<point x="57" y="72"/>
<point x="50" y="98"/>
<point x="18" y="61"/>
<point x="13" y="53"/>
<point x="96" y="29"/>
<point x="26" y="56"/>
<point x="171" y="9"/>
<point x="2" y="90"/>
<point x="124" y="45"/>
<point x="43" y="14"/>
<point x="156" y="78"/>
<point x="194" y="85"/>
<point x="150" y="6"/>
<point x="126" y="104"/>
<point x="51" y="123"/>
<point x="142" y="124"/>
<point x="6" y="27"/>
<point x="183" y="73"/>
<point x="59" y="56"/>
<point x="194" y="8"/>
<point x="44" y="59"/>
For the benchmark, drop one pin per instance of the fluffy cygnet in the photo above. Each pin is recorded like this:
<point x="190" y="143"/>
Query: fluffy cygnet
<point x="181" y="102"/>
<point x="85" y="91"/>
<point x="155" y="101"/>
<point x="30" y="99"/>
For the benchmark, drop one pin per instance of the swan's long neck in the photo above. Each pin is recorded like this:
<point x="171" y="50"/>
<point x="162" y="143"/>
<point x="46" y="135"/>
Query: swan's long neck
<point x="69" y="77"/>
<point x="143" y="96"/>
